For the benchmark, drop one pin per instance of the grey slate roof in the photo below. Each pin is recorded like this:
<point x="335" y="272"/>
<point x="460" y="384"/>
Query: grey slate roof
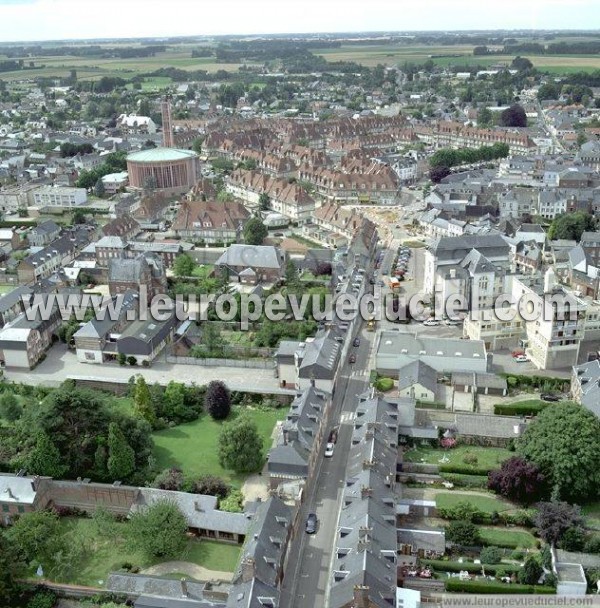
<point x="320" y="358"/>
<point x="588" y="377"/>
<point x="417" y="372"/>
<point x="366" y="543"/>
<point x="199" y="510"/>
<point x="267" y="540"/>
<point x="252" y="256"/>
<point x="449" y="248"/>
<point x="253" y="594"/>
<point x="291" y="454"/>
<point x="8" y="300"/>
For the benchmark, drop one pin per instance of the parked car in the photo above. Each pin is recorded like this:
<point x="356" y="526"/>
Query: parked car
<point x="431" y="322"/>
<point x="521" y="359"/>
<point x="451" y="322"/>
<point x="311" y="523"/>
<point x="333" y="436"/>
<point x="356" y="342"/>
<point x="546" y="397"/>
<point x="352" y="358"/>
<point x="329" y="450"/>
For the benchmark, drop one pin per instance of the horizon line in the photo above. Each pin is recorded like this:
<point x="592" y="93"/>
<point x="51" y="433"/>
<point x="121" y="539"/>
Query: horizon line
<point x="344" y="33"/>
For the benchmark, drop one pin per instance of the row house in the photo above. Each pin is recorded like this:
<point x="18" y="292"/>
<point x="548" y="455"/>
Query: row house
<point x="447" y="134"/>
<point x="298" y="445"/>
<point x="351" y="188"/>
<point x="289" y="199"/>
<point x="300" y="155"/>
<point x="211" y="221"/>
<point x="54" y="256"/>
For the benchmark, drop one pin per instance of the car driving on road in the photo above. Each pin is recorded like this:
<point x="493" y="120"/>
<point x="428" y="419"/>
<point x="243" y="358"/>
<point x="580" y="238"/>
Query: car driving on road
<point x="329" y="450"/>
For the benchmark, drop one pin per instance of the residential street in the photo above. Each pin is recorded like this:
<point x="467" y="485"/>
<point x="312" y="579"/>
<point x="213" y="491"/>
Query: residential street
<point x="308" y="571"/>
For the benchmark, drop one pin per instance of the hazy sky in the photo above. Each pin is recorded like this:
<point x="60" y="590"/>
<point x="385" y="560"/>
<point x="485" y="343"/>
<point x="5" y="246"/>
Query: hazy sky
<point x="60" y="19"/>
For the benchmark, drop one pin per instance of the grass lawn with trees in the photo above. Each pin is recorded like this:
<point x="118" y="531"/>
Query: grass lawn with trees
<point x="194" y="447"/>
<point x="487" y="504"/>
<point x="487" y="457"/>
<point x="105" y="553"/>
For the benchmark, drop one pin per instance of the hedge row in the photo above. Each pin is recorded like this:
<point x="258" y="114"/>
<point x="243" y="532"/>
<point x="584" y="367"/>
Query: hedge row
<point x="465" y="469"/>
<point x="466" y="481"/>
<point x="519" y="409"/>
<point x="494" y="587"/>
<point x="471" y="567"/>
<point x="425" y="405"/>
<point x="519" y="518"/>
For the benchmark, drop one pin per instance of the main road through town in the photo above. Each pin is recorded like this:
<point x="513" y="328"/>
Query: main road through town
<point x="308" y="573"/>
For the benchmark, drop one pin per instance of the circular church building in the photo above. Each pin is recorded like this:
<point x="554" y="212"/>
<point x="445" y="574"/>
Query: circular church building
<point x="170" y="170"/>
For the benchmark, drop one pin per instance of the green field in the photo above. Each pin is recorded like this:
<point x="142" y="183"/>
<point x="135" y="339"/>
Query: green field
<point x="107" y="551"/>
<point x="489" y="458"/>
<point x="487" y="504"/>
<point x="371" y="55"/>
<point x="194" y="446"/>
<point x="507" y="537"/>
<point x="94" y="68"/>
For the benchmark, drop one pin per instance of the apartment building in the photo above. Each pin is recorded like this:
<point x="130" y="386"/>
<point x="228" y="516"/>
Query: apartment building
<point x="289" y="199"/>
<point x="448" y="134"/>
<point x="553" y="336"/>
<point x="211" y="221"/>
<point x="59" y="196"/>
<point x="448" y="252"/>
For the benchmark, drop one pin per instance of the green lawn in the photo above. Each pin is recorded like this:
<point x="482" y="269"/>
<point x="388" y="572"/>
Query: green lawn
<point x="194" y="446"/>
<point x="489" y="458"/>
<point x="592" y="515"/>
<point x="506" y="537"/>
<point x="203" y="271"/>
<point x="107" y="551"/>
<point x="487" y="504"/>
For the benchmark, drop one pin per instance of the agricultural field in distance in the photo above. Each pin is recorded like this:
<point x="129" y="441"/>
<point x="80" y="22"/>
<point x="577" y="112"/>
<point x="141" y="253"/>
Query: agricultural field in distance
<point x="371" y="55"/>
<point x="94" y="68"/>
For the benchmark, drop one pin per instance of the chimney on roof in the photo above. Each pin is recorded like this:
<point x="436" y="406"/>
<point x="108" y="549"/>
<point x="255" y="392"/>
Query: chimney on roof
<point x="366" y="492"/>
<point x="198" y="507"/>
<point x="248" y="569"/>
<point x="361" y="597"/>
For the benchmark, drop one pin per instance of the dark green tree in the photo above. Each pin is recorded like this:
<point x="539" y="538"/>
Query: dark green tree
<point x="531" y="571"/>
<point x="463" y="533"/>
<point x="99" y="188"/>
<point x="485" y="118"/>
<point x="45" y="459"/>
<point x="10" y="408"/>
<point x="264" y="202"/>
<point x="197" y="145"/>
<point x="121" y="457"/>
<point x="142" y="401"/>
<point x="184" y="265"/>
<point x="159" y="531"/>
<point x="563" y="442"/>
<point x="37" y="535"/>
<point x="240" y="446"/>
<point x="571" y="226"/>
<point x="255" y="232"/>
<point x="10" y="566"/>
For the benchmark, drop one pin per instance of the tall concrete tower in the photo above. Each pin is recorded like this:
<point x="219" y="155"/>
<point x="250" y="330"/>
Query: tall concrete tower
<point x="167" y="123"/>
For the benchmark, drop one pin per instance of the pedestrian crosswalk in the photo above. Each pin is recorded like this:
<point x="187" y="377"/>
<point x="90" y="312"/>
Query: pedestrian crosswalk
<point x="347" y="417"/>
